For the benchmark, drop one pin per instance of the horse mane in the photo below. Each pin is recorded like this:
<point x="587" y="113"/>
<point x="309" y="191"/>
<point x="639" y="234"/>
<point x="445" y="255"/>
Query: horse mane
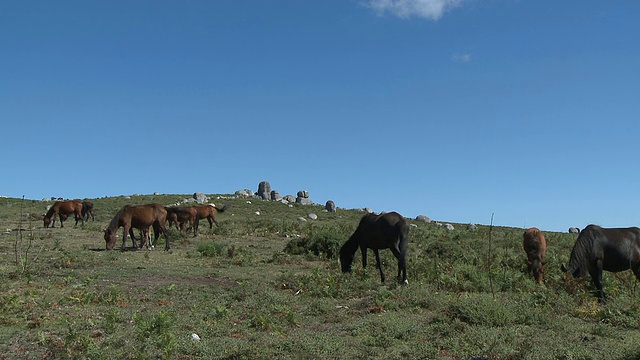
<point x="49" y="212"/>
<point x="113" y="225"/>
<point x="582" y="251"/>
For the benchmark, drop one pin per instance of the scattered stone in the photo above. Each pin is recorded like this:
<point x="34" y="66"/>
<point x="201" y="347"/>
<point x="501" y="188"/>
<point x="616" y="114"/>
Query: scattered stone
<point x="472" y="227"/>
<point x="289" y="198"/>
<point x="312" y="216"/>
<point x="244" y="193"/>
<point x="448" y="227"/>
<point x="302" y="219"/>
<point x="574" y="230"/>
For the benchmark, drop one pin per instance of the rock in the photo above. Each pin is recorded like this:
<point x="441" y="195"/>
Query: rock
<point x="330" y="206"/>
<point x="200" y="198"/>
<point x="289" y="198"/>
<point x="275" y="196"/>
<point x="302" y="219"/>
<point x="312" y="216"/>
<point x="303" y="194"/>
<point x="448" y="227"/>
<point x="244" y="193"/>
<point x="264" y="190"/>
<point x="574" y="230"/>
<point x="472" y="227"/>
<point x="304" y="201"/>
<point x="423" y="218"/>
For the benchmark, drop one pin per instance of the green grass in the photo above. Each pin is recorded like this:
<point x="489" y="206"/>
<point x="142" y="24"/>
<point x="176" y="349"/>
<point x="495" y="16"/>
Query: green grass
<point x="270" y="286"/>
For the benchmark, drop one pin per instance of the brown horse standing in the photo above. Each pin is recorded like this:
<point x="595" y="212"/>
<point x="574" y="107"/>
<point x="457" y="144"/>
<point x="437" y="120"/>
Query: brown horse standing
<point x="209" y="212"/>
<point x="535" y="246"/>
<point x="64" y="209"/>
<point x="180" y="215"/>
<point x="140" y="217"/>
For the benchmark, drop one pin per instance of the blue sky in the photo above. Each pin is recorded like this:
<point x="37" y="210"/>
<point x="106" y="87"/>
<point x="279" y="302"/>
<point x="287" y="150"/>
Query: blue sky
<point x="455" y="109"/>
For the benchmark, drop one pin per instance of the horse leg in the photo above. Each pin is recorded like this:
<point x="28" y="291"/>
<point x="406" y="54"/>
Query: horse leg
<point x="596" y="277"/>
<point x="211" y="222"/>
<point x="125" y="232"/>
<point x="61" y="221"/>
<point x="363" y="250"/>
<point x="402" y="266"/>
<point x="379" y="263"/>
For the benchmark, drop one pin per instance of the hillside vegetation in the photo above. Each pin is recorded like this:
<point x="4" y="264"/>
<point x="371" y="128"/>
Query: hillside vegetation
<point x="269" y="286"/>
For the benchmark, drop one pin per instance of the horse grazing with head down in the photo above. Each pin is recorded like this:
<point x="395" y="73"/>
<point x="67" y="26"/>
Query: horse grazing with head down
<point x="140" y="217"/>
<point x="535" y="246"/>
<point x="63" y="209"/>
<point x="610" y="249"/>
<point x="385" y="231"/>
<point x="210" y="212"/>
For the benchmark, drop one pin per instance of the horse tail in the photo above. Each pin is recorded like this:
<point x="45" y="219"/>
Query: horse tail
<point x="222" y="209"/>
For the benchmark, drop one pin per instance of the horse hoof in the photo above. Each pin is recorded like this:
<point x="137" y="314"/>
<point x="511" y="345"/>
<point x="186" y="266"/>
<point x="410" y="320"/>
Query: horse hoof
<point x="406" y="282"/>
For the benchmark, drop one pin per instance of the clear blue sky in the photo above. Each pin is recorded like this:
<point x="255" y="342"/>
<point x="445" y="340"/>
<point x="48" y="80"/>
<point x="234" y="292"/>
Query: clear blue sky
<point x="455" y="109"/>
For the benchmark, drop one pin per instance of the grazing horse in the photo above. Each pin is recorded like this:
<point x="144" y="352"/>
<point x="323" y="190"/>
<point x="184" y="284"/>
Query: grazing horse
<point x="63" y="209"/>
<point x="87" y="210"/>
<point x="597" y="249"/>
<point x="180" y="215"/>
<point x="535" y="247"/>
<point x="209" y="212"/>
<point x="386" y="231"/>
<point x="140" y="217"/>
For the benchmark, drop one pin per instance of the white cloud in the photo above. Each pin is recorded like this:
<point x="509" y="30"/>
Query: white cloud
<point x="428" y="9"/>
<point x="461" y="58"/>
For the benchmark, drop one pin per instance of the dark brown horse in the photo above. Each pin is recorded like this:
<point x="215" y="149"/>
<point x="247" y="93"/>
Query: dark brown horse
<point x="386" y="231"/>
<point x="140" y="217"/>
<point x="597" y="249"/>
<point x="64" y="209"/>
<point x="210" y="212"/>
<point x="181" y="215"/>
<point x="87" y="210"/>
<point x="535" y="246"/>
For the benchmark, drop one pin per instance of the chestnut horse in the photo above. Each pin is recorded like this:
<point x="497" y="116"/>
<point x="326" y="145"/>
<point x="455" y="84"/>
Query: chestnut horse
<point x="610" y="249"/>
<point x="87" y="210"/>
<point x="386" y="231"/>
<point x="209" y="212"/>
<point x="535" y="246"/>
<point x="63" y="209"/>
<point x="180" y="215"/>
<point x="140" y="217"/>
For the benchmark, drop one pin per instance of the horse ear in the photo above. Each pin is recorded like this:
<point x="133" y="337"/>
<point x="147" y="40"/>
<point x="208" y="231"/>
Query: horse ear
<point x="563" y="268"/>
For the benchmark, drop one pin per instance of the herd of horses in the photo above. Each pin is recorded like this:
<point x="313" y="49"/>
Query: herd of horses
<point x="595" y="250"/>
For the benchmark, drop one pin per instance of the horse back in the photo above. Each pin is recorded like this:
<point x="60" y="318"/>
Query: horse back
<point x="384" y="231"/>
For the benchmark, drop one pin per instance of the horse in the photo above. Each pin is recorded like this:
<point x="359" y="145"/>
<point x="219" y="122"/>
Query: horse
<point x="386" y="231"/>
<point x="63" y="209"/>
<point x="180" y="215"/>
<point x="610" y="249"/>
<point x="535" y="246"/>
<point x="209" y="212"/>
<point x="140" y="217"/>
<point x="87" y="210"/>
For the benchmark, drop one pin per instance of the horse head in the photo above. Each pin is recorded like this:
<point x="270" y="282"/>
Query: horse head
<point x="109" y="238"/>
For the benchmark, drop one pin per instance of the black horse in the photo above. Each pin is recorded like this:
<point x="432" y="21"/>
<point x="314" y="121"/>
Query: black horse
<point x="597" y="249"/>
<point x="386" y="231"/>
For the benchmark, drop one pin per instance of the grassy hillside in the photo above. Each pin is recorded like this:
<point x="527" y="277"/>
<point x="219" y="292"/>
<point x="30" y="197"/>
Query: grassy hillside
<point x="265" y="286"/>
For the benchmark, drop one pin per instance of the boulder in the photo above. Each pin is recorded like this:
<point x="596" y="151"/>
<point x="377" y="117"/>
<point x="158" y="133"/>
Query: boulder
<point x="200" y="198"/>
<point x="275" y="195"/>
<point x="330" y="206"/>
<point x="423" y="218"/>
<point x="264" y="190"/>
<point x="574" y="230"/>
